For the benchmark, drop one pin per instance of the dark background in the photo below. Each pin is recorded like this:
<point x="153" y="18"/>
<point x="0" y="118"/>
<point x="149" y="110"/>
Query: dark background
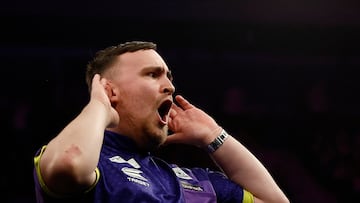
<point x="280" y="76"/>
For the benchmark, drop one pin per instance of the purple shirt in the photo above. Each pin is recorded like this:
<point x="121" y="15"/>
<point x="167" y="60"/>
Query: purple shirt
<point x="125" y="175"/>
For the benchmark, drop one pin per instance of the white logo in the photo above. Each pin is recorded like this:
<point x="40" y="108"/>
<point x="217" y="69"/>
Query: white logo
<point x="118" y="159"/>
<point x="181" y="174"/>
<point x="134" y="173"/>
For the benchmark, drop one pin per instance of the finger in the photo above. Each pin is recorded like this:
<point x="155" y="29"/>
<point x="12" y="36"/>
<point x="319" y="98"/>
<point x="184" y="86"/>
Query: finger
<point x="171" y="123"/>
<point x="175" y="108"/>
<point x="185" y="104"/>
<point x="173" y="113"/>
<point x="96" y="78"/>
<point x="103" y="81"/>
<point x="173" y="138"/>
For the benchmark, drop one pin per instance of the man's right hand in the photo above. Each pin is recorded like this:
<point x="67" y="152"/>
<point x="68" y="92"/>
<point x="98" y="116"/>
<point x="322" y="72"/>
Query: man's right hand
<point x="101" y="91"/>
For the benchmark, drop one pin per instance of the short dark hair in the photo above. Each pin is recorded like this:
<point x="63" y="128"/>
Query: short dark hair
<point x="104" y="58"/>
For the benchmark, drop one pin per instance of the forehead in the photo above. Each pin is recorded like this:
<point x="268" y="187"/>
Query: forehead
<point x="141" y="59"/>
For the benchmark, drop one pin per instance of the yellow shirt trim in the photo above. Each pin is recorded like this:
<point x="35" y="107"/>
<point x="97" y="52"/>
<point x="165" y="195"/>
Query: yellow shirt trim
<point x="41" y="180"/>
<point x="247" y="197"/>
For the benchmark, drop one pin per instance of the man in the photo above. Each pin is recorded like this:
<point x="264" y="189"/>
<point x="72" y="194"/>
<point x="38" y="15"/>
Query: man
<point x="103" y="155"/>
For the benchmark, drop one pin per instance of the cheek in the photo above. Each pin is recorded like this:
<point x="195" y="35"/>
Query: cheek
<point x="137" y="99"/>
<point x="138" y="93"/>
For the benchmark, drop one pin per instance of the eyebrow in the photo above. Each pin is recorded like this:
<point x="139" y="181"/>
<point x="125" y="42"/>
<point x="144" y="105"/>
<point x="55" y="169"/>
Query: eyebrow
<point x="161" y="69"/>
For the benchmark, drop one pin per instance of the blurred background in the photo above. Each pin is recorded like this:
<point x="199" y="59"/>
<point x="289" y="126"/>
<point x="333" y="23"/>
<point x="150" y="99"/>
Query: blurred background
<point x="281" y="76"/>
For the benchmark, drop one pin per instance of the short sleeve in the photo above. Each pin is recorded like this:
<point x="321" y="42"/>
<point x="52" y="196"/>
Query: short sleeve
<point x="227" y="191"/>
<point x="44" y="194"/>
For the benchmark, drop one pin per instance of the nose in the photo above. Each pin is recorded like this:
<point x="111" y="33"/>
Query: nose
<point x="168" y="87"/>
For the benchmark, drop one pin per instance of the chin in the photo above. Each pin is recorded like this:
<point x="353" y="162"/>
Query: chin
<point x="157" y="141"/>
<point x="154" y="139"/>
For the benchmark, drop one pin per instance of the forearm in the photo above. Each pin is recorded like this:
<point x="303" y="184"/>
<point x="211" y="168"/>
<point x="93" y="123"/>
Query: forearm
<point x="242" y="167"/>
<point x="73" y="154"/>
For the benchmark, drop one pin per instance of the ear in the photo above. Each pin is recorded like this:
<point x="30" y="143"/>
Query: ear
<point x="112" y="92"/>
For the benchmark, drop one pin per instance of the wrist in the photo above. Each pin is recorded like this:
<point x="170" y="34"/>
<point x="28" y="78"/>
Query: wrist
<point x="217" y="142"/>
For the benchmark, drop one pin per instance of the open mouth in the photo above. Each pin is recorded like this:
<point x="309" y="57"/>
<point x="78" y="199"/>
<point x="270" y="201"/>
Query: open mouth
<point x="164" y="110"/>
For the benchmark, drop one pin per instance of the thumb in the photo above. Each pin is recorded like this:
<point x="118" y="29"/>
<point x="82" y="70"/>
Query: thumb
<point x="173" y="138"/>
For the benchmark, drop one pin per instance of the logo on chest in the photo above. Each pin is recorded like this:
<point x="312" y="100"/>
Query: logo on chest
<point x="186" y="179"/>
<point x="133" y="173"/>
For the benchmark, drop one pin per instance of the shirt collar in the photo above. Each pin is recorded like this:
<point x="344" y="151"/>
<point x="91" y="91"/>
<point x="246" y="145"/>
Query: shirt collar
<point x="119" y="141"/>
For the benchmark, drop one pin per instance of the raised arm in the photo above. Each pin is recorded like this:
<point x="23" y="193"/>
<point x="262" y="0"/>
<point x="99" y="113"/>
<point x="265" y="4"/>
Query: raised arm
<point x="69" y="161"/>
<point x="244" y="168"/>
<point x="193" y="126"/>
